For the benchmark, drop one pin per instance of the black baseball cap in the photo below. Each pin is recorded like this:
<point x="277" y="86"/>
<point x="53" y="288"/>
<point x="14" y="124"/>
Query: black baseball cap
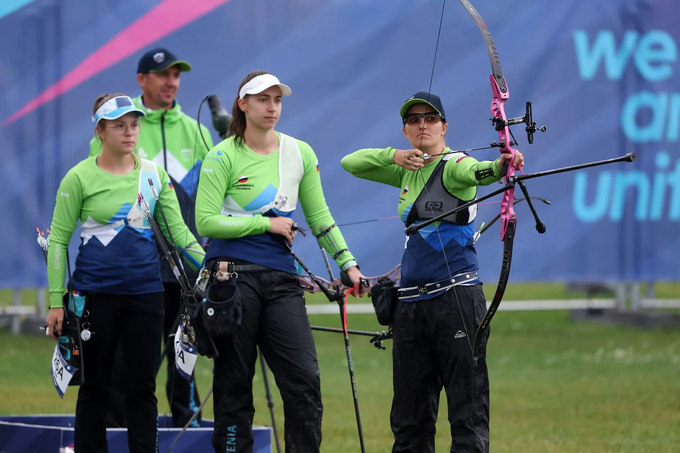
<point x="423" y="97"/>
<point x="160" y="59"/>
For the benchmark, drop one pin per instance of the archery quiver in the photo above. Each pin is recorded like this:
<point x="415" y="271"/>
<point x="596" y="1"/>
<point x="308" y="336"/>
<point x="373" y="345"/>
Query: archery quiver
<point x="219" y="312"/>
<point x="221" y="309"/>
<point x="384" y="298"/>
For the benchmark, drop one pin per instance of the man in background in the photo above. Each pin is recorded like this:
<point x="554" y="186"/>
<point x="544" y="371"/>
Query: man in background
<point x="171" y="139"/>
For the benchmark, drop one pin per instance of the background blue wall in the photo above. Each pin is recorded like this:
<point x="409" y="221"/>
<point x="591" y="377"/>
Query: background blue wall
<point x="601" y="75"/>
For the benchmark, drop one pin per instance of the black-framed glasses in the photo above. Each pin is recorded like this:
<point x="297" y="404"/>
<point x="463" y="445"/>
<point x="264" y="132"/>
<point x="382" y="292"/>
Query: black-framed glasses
<point x="416" y="118"/>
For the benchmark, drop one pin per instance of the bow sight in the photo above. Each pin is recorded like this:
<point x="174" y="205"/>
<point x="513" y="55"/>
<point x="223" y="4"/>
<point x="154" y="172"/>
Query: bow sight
<point x="528" y="119"/>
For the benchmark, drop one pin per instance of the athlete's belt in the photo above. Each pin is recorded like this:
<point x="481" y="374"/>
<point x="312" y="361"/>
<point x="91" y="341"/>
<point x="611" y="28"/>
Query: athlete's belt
<point x="233" y="267"/>
<point x="430" y="288"/>
<point x="236" y="267"/>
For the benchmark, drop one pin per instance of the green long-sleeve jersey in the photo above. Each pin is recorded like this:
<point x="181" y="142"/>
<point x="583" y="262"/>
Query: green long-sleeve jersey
<point x="441" y="249"/>
<point x="174" y="141"/>
<point x="120" y="258"/>
<point x="238" y="176"/>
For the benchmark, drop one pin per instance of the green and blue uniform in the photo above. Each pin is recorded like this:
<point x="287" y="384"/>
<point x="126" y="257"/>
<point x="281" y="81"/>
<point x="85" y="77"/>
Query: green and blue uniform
<point x="118" y="271"/>
<point x="121" y="260"/>
<point x="238" y="194"/>
<point x="172" y="140"/>
<point x="235" y="178"/>
<point x="431" y="346"/>
<point x="423" y="259"/>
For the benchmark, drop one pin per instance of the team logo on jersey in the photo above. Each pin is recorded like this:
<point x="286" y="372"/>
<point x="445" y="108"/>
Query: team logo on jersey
<point x="242" y="179"/>
<point x="405" y="190"/>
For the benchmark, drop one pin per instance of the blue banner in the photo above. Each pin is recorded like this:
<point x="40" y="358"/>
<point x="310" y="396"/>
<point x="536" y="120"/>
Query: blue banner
<point x="600" y="76"/>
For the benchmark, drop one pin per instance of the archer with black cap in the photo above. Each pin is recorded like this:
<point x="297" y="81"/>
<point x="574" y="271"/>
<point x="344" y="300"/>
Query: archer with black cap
<point x="440" y="298"/>
<point x="169" y="138"/>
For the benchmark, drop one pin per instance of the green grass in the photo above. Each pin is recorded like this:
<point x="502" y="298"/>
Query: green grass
<point x="556" y="386"/>
<point x="514" y="291"/>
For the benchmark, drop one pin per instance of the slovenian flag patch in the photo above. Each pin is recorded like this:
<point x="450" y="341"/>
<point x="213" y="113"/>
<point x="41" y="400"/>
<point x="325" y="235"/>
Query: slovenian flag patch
<point x="461" y="158"/>
<point x="243" y="179"/>
<point x="317" y="165"/>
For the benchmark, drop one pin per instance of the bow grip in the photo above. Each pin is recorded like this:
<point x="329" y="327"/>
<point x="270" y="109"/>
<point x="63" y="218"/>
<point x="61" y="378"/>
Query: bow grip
<point x="344" y="278"/>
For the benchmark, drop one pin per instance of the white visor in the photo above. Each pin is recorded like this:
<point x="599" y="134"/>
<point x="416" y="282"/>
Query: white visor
<point x="262" y="82"/>
<point x="115" y="108"/>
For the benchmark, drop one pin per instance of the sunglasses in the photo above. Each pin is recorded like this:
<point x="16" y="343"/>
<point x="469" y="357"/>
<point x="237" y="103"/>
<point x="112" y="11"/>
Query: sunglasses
<point x="416" y="118"/>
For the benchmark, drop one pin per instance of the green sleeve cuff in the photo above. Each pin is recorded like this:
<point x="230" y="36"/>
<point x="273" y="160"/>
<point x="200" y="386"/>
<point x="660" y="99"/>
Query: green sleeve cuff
<point x="349" y="264"/>
<point x="56" y="300"/>
<point x="345" y="258"/>
<point x="497" y="167"/>
<point x="390" y="153"/>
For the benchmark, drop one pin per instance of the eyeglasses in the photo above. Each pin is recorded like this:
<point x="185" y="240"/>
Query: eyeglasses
<point x="121" y="128"/>
<point x="429" y="117"/>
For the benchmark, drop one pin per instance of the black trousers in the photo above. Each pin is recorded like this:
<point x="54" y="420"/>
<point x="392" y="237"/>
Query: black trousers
<point x="136" y="321"/>
<point x="432" y="349"/>
<point x="275" y="319"/>
<point x="182" y="394"/>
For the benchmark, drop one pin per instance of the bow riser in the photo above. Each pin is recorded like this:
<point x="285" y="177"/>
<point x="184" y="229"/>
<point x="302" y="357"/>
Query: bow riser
<point x="507" y="210"/>
<point x="505" y="139"/>
<point x="310" y="286"/>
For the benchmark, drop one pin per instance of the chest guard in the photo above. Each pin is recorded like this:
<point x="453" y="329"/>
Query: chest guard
<point x="291" y="171"/>
<point x="135" y="218"/>
<point x="434" y="199"/>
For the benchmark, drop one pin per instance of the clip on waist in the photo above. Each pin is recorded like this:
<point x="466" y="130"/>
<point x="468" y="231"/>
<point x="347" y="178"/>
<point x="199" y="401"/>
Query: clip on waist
<point x="223" y="270"/>
<point x="413" y="292"/>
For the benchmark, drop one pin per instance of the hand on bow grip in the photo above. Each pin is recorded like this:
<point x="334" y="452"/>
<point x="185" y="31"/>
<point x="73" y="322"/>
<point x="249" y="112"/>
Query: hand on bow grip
<point x="518" y="162"/>
<point x="345" y="282"/>
<point x="353" y="279"/>
<point x="285" y="227"/>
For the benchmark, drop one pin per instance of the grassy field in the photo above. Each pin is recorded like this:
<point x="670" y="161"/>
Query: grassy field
<point x="556" y="385"/>
<point x="516" y="291"/>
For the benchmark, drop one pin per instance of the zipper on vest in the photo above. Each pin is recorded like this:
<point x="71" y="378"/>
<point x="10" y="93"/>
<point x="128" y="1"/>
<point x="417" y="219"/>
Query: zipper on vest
<point x="165" y="151"/>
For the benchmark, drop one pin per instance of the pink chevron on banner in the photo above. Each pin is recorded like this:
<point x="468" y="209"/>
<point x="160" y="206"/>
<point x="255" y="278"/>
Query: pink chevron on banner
<point x="165" y="18"/>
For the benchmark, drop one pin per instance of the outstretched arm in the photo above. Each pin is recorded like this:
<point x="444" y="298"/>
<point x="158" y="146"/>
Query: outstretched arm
<point x="374" y="165"/>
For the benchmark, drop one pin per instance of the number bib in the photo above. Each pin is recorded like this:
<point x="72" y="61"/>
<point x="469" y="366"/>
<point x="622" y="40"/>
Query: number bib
<point x="62" y="372"/>
<point x="185" y="355"/>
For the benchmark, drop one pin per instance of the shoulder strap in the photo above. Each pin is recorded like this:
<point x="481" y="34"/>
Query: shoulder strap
<point x="291" y="170"/>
